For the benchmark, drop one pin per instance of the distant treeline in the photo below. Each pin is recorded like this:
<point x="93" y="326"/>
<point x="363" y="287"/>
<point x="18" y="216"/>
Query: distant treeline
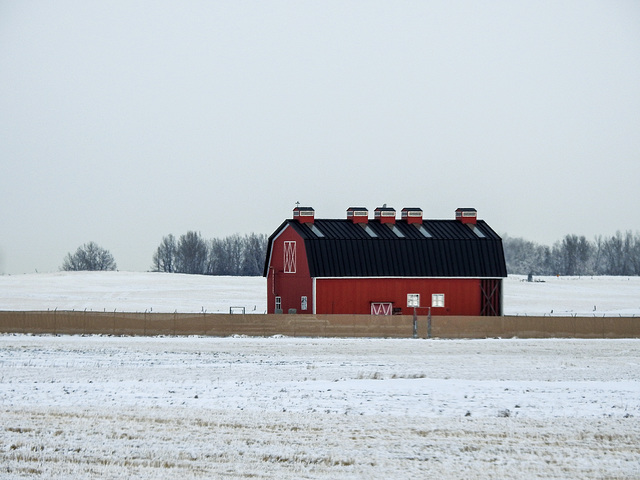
<point x="574" y="255"/>
<point x="245" y="255"/>
<point x="190" y="253"/>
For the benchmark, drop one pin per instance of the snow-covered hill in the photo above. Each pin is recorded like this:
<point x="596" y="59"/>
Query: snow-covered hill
<point x="162" y="292"/>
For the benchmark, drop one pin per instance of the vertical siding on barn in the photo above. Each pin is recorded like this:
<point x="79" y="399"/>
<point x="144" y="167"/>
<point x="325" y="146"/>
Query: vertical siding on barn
<point x="355" y="295"/>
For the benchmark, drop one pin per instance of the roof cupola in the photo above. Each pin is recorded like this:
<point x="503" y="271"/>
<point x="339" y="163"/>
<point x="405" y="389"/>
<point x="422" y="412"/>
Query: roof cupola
<point x="304" y="214"/>
<point x="412" y="215"/>
<point x="358" y="214"/>
<point x="385" y="214"/>
<point x="467" y="215"/>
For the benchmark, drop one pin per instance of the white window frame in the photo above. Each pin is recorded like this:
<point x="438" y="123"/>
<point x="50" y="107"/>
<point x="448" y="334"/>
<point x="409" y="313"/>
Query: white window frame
<point x="278" y="303"/>
<point x="413" y="300"/>
<point x="303" y="302"/>
<point x="437" y="300"/>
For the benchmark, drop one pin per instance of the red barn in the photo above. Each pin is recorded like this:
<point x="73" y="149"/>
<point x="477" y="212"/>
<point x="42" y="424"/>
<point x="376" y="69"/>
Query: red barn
<point x="383" y="265"/>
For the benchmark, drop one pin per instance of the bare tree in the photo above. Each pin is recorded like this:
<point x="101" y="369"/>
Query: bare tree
<point x="191" y="254"/>
<point x="90" y="257"/>
<point x="225" y="257"/>
<point x="255" y="251"/>
<point x="575" y="256"/>
<point x="236" y="255"/>
<point x="164" y="260"/>
<point x="215" y="257"/>
<point x="524" y="257"/>
<point x="618" y="254"/>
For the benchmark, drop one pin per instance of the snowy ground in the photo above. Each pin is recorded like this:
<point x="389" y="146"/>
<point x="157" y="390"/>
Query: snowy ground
<point x="160" y="292"/>
<point x="572" y="296"/>
<point x="111" y="407"/>
<point x="195" y="408"/>
<point x="132" y="292"/>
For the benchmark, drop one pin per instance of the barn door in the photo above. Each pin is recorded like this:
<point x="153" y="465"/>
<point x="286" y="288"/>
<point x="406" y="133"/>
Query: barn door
<point x="491" y="294"/>
<point x="381" y="308"/>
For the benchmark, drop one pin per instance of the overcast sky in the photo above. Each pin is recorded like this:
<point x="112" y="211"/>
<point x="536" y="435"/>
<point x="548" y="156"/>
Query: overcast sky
<point x="124" y="121"/>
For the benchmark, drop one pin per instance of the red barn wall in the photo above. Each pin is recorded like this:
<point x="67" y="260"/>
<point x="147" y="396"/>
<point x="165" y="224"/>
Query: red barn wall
<point x="354" y="295"/>
<point x="282" y="281"/>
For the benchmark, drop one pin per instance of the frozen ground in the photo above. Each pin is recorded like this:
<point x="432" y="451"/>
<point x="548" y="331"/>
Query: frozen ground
<point x="132" y="292"/>
<point x="237" y="408"/>
<point x="111" y="407"/>
<point x="572" y="296"/>
<point x="160" y="292"/>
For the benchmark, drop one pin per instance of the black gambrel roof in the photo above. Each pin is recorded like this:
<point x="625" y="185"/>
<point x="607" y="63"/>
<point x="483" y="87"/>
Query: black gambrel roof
<point x="341" y="248"/>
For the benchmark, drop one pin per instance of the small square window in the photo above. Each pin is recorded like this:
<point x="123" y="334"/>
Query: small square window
<point x="437" y="300"/>
<point x="413" y="299"/>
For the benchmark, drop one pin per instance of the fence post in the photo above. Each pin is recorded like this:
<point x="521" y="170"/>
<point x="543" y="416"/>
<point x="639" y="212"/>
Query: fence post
<point x="415" y="323"/>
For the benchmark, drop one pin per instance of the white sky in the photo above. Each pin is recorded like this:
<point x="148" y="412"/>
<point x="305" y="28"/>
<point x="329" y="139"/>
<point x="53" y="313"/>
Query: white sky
<point x="124" y="121"/>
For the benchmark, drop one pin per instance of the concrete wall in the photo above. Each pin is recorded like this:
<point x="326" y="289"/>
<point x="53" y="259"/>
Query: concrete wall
<point x="396" y="326"/>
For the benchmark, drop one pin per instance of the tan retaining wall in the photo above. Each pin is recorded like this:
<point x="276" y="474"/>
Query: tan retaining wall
<point x="397" y="326"/>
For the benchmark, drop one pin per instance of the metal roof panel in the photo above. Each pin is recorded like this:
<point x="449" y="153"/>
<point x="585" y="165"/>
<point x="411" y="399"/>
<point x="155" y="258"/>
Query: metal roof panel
<point x="346" y="250"/>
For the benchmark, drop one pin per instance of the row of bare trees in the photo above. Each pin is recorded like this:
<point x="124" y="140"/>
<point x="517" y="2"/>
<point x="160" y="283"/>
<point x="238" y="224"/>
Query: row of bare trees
<point x="191" y="253"/>
<point x="618" y="254"/>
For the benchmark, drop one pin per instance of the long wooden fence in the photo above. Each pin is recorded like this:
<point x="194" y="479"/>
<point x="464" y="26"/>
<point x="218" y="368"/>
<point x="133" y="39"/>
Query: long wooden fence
<point x="396" y="326"/>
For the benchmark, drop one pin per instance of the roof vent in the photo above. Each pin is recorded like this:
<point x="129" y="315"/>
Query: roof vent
<point x="304" y="214"/>
<point x="385" y="214"/>
<point x="358" y="214"/>
<point x="412" y="215"/>
<point x="467" y="215"/>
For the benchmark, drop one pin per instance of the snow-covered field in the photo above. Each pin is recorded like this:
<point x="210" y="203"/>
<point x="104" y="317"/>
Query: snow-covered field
<point x="292" y="408"/>
<point x="111" y="407"/>
<point x="161" y="292"/>
<point x="132" y="292"/>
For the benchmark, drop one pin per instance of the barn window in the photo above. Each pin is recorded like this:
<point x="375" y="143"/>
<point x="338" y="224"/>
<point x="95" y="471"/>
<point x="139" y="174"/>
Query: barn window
<point x="278" y="304"/>
<point x="437" y="300"/>
<point x="289" y="257"/>
<point x="303" y="303"/>
<point x="413" y="299"/>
